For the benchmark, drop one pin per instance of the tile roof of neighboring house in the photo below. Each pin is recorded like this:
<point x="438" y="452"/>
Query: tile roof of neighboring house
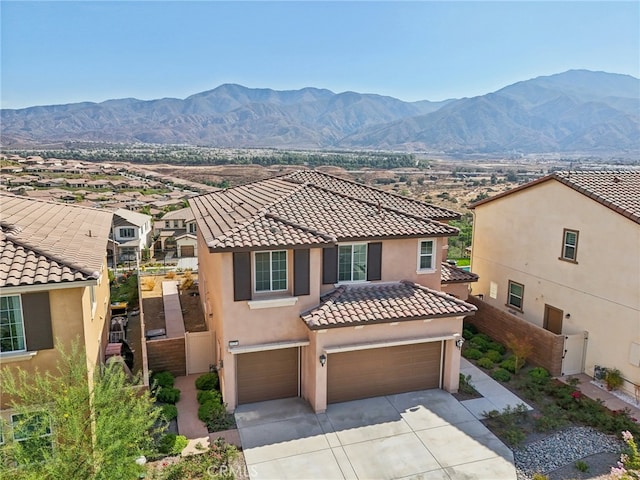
<point x="617" y="190"/>
<point x="283" y="212"/>
<point x="46" y="242"/>
<point x="122" y="216"/>
<point x="185" y="214"/>
<point x="453" y="274"/>
<point x="350" y="305"/>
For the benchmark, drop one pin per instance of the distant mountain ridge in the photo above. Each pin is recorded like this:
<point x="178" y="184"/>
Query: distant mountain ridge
<point x="578" y="110"/>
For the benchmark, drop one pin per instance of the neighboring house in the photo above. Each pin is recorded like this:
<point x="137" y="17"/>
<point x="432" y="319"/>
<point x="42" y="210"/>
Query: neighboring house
<point x="323" y="288"/>
<point x="54" y="286"/>
<point x="131" y="234"/>
<point x="176" y="232"/>
<point x="563" y="252"/>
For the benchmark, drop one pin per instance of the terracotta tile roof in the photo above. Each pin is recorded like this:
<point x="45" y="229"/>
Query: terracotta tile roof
<point x="350" y="305"/>
<point x="453" y="274"/>
<point x="365" y="192"/>
<point x="290" y="213"/>
<point x="185" y="214"/>
<point x="47" y="242"/>
<point x="123" y="217"/>
<point x="617" y="190"/>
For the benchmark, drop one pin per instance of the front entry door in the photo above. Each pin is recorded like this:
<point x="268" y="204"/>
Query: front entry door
<point x="553" y="319"/>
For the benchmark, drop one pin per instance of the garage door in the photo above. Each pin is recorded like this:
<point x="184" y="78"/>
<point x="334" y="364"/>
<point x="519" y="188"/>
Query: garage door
<point x="383" y="371"/>
<point x="187" y="251"/>
<point x="267" y="375"/>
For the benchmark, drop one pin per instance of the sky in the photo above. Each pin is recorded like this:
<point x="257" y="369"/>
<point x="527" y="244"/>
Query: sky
<point x="65" y="52"/>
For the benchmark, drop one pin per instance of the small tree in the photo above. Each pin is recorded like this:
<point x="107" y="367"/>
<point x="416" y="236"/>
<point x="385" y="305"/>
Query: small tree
<point x="77" y="428"/>
<point x="521" y="348"/>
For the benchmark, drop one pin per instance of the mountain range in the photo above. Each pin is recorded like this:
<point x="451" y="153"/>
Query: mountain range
<point x="575" y="111"/>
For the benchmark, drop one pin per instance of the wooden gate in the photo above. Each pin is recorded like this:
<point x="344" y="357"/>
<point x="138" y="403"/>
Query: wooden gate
<point x="199" y="351"/>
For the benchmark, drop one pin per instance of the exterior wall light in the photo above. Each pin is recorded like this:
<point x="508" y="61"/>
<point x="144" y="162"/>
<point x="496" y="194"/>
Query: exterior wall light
<point x="460" y="342"/>
<point x="323" y="360"/>
<point x="234" y="343"/>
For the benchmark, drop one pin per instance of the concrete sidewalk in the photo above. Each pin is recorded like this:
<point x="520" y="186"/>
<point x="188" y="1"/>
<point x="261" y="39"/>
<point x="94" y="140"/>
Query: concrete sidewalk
<point x="494" y="395"/>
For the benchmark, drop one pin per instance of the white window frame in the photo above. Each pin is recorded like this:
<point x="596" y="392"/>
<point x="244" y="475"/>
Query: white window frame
<point x="24" y="335"/>
<point x="573" y="259"/>
<point x="366" y="261"/>
<point x="127" y="230"/>
<point x="509" y="295"/>
<point x="432" y="255"/>
<point x="47" y="434"/>
<point x="255" y="277"/>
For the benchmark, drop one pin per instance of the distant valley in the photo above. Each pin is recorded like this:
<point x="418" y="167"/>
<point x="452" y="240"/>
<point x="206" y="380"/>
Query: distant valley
<point x="593" y="113"/>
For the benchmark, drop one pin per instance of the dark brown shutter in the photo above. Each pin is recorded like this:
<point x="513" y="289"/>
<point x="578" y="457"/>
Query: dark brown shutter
<point x="329" y="265"/>
<point x="301" y="272"/>
<point x="37" y="321"/>
<point x="374" y="261"/>
<point x="241" y="276"/>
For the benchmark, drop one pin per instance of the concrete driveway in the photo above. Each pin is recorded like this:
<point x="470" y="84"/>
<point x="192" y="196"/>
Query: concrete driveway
<point x="426" y="435"/>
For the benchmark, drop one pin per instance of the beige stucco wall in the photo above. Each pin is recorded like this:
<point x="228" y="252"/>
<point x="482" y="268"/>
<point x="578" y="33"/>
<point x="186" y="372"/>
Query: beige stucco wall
<point x="187" y="241"/>
<point x="519" y="238"/>
<point x="71" y="321"/>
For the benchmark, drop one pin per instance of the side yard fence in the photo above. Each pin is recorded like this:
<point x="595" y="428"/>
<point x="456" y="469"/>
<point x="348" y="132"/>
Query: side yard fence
<point x="548" y="347"/>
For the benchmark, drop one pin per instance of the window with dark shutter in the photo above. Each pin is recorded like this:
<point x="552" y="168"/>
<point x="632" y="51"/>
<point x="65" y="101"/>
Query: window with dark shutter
<point x="301" y="272"/>
<point x="374" y="261"/>
<point x="329" y="265"/>
<point x="241" y="276"/>
<point x="37" y="321"/>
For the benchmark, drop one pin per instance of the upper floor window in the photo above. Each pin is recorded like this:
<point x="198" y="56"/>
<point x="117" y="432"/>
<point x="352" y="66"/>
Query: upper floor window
<point x="12" y="337"/>
<point x="167" y="224"/>
<point x="271" y="271"/>
<point x="127" y="233"/>
<point x="425" y="255"/>
<point x="516" y="295"/>
<point x="176" y="223"/>
<point x="352" y="262"/>
<point x="192" y="227"/>
<point x="569" y="245"/>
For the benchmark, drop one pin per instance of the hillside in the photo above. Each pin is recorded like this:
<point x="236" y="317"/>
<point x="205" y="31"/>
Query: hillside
<point x="579" y="110"/>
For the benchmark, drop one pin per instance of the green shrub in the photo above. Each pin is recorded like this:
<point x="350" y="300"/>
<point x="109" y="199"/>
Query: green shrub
<point x="168" y="395"/>
<point x="483" y="336"/>
<point x="498" y="347"/>
<point x="169" y="412"/>
<point x="214" y="414"/>
<point x="172" y="444"/>
<point x="472" y="353"/>
<point x="208" y="381"/>
<point x="485" y="362"/>
<point x="465" y="385"/>
<point x="539" y="373"/>
<point x="467" y="334"/>
<point x="493" y="355"/>
<point x="479" y="343"/>
<point x="509" y="364"/>
<point x="539" y="476"/>
<point x="613" y="378"/>
<point x="581" y="466"/>
<point x="501" y="375"/>
<point x="162" y="379"/>
<point x="471" y="327"/>
<point x="205" y="396"/>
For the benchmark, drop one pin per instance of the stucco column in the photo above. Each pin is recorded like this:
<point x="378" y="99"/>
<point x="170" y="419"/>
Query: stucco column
<point x="451" y="375"/>
<point x="317" y="374"/>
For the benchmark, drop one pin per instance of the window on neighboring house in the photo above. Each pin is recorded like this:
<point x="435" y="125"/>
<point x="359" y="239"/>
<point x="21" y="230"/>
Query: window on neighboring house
<point x="176" y="223"/>
<point x="167" y="224"/>
<point x="127" y="233"/>
<point x="271" y="271"/>
<point x="570" y="245"/>
<point x="425" y="255"/>
<point x="516" y="295"/>
<point x="352" y="262"/>
<point x="192" y="228"/>
<point x="12" y="338"/>
<point x="33" y="431"/>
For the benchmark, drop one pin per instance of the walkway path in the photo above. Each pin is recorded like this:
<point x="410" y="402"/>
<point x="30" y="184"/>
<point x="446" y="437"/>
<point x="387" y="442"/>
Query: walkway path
<point x="494" y="395"/>
<point x="189" y="424"/>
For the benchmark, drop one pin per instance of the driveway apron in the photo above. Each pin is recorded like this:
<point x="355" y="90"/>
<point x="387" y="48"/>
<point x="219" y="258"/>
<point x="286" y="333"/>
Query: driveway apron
<point x="426" y="434"/>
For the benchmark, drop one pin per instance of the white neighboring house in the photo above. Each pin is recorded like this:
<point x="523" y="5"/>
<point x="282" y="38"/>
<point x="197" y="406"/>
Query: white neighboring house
<point x="131" y="234"/>
<point x="175" y="232"/>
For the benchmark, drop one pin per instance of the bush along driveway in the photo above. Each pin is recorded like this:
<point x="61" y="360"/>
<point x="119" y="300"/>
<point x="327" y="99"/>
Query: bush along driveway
<point x="566" y="434"/>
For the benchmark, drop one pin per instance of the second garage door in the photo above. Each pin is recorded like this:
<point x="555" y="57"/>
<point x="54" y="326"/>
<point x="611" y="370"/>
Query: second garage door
<point x="383" y="371"/>
<point x="267" y="375"/>
<point x="187" y="251"/>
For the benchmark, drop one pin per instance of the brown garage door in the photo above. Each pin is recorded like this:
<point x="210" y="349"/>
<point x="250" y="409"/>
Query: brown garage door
<point x="187" y="251"/>
<point x="267" y="375"/>
<point x="383" y="371"/>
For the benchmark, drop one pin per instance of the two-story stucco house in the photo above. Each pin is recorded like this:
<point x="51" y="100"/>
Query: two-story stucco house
<point x="327" y="289"/>
<point x="563" y="252"/>
<point x="54" y="285"/>
<point x="131" y="234"/>
<point x="175" y="232"/>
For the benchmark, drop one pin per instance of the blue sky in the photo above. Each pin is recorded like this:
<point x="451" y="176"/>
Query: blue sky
<point x="63" y="52"/>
